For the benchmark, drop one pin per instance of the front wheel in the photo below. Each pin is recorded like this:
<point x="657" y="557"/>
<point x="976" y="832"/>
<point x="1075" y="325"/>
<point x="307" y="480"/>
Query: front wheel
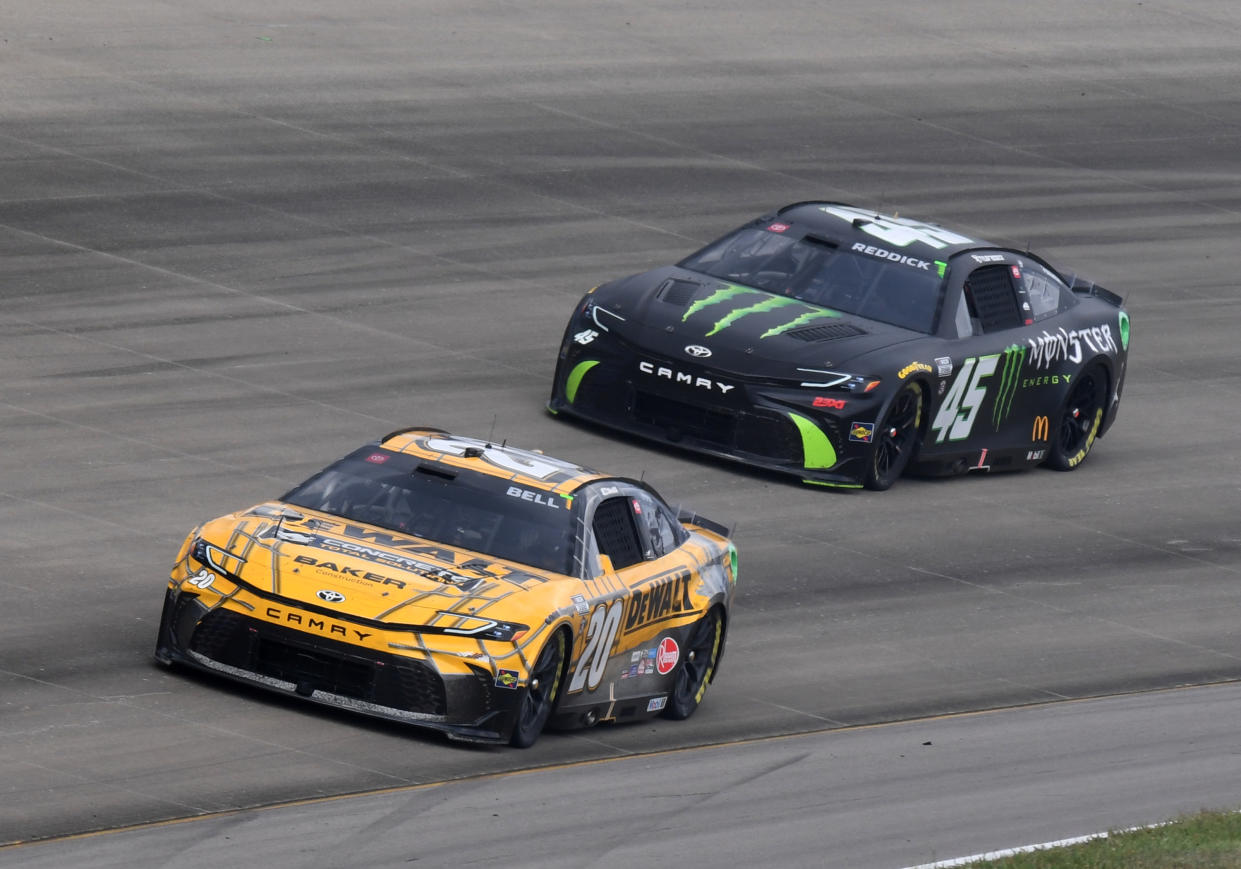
<point x="1079" y="420"/>
<point x="541" y="693"/>
<point x="702" y="653"/>
<point x="896" y="439"/>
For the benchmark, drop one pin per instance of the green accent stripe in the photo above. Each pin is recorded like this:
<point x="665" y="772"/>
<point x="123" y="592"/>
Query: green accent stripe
<point x="817" y="450"/>
<point x="833" y="485"/>
<point x="575" y="378"/>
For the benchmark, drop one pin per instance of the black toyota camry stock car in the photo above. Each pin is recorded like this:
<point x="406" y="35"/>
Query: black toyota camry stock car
<point x="847" y="347"/>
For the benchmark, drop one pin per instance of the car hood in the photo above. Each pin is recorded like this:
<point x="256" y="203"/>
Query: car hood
<point x="365" y="572"/>
<point x="680" y="314"/>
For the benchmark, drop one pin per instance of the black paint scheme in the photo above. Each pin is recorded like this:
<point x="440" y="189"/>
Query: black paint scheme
<point x="846" y="347"/>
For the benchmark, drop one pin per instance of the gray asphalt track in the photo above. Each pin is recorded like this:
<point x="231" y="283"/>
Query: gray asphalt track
<point x="898" y="795"/>
<point x="238" y="240"/>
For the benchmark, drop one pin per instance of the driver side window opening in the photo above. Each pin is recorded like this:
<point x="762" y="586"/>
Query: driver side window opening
<point x="992" y="299"/>
<point x="616" y="534"/>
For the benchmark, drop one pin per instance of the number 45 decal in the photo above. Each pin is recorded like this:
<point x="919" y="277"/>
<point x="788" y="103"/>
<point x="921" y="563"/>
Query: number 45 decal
<point x="965" y="396"/>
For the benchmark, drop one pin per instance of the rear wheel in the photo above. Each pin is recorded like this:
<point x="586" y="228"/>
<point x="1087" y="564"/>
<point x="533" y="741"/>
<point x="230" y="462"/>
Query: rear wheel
<point x="541" y="693"/>
<point x="1079" y="420"/>
<point x="896" y="439"/>
<point x="697" y="665"/>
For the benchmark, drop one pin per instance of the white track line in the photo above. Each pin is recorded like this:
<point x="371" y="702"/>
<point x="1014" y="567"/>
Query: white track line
<point x="1026" y="849"/>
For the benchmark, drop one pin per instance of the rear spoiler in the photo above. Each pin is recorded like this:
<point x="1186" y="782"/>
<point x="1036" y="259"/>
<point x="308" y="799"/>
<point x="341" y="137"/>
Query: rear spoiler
<point x="689" y="517"/>
<point x="1083" y="287"/>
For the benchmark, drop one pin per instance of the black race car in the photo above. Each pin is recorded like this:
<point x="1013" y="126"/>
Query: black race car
<point x="846" y="347"/>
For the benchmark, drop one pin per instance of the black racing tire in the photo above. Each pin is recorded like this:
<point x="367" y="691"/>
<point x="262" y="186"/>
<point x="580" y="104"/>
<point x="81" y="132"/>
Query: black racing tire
<point x="541" y="693"/>
<point x="1077" y="424"/>
<point x="697" y="666"/>
<point x="896" y="440"/>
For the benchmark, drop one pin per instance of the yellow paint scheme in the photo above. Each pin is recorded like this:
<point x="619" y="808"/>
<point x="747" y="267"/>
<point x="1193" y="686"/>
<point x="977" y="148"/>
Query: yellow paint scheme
<point x="329" y="578"/>
<point x="385" y="615"/>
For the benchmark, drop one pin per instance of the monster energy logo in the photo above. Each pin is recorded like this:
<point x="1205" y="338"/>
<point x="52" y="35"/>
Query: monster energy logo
<point x="766" y="303"/>
<point x="1010" y="376"/>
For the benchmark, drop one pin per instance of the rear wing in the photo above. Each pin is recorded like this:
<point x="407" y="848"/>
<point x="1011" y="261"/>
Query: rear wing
<point x="1082" y="287"/>
<point x="689" y="517"/>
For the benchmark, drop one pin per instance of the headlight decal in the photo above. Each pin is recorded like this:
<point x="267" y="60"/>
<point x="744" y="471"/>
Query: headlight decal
<point x="215" y="557"/>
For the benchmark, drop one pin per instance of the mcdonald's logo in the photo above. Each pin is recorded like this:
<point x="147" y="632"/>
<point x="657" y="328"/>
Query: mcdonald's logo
<point x="1041" y="429"/>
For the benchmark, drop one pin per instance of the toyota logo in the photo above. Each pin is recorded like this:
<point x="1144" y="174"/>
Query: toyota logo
<point x="330" y="596"/>
<point x="698" y="351"/>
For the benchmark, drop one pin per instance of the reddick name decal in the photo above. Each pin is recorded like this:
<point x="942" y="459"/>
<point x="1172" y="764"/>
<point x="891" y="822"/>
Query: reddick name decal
<point x="871" y="250"/>
<point x="683" y="377"/>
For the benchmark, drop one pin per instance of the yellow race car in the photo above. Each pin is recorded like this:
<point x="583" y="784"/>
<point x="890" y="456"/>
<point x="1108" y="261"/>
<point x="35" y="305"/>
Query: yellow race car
<point x="451" y="583"/>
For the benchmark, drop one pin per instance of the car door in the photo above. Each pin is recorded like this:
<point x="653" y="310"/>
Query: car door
<point x="984" y="414"/>
<point x="638" y="544"/>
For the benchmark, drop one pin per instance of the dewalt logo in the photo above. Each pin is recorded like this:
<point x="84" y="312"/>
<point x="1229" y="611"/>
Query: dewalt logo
<point x="1041" y="429"/>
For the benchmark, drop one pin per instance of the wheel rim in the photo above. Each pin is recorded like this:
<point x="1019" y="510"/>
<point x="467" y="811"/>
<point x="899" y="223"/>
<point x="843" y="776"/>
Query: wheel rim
<point x="897" y="438"/>
<point x="1079" y="414"/>
<point x="544" y="682"/>
<point x="700" y="654"/>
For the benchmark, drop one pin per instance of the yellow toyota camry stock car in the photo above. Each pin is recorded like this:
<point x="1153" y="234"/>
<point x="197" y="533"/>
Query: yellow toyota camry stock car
<point x="451" y="583"/>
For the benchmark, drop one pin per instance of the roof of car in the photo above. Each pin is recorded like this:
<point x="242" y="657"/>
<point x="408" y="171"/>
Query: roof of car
<point x="527" y="468"/>
<point x="848" y="223"/>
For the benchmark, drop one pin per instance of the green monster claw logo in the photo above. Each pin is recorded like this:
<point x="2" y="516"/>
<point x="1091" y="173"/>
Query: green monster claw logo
<point x="723" y="294"/>
<point x="800" y="321"/>
<point x="768" y="303"/>
<point x="1010" y="376"/>
<point x="1124" y="330"/>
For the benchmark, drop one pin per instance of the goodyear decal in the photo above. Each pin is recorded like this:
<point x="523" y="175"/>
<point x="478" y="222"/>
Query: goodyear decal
<point x="1014" y="358"/>
<point x="1094" y="430"/>
<point x="767" y="302"/>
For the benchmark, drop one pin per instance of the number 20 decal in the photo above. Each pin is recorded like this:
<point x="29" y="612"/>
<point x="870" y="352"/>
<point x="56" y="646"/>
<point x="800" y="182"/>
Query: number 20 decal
<point x="956" y="415"/>
<point x="600" y="635"/>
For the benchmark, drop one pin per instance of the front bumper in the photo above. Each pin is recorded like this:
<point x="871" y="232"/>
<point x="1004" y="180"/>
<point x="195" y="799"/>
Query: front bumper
<point x="776" y="427"/>
<point x="287" y="661"/>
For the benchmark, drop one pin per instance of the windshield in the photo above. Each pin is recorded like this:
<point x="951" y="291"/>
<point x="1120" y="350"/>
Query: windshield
<point x="452" y="506"/>
<point x="864" y="280"/>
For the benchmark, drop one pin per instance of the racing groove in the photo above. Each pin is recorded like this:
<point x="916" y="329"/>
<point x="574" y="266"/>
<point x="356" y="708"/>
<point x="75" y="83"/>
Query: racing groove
<point x="236" y="241"/>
